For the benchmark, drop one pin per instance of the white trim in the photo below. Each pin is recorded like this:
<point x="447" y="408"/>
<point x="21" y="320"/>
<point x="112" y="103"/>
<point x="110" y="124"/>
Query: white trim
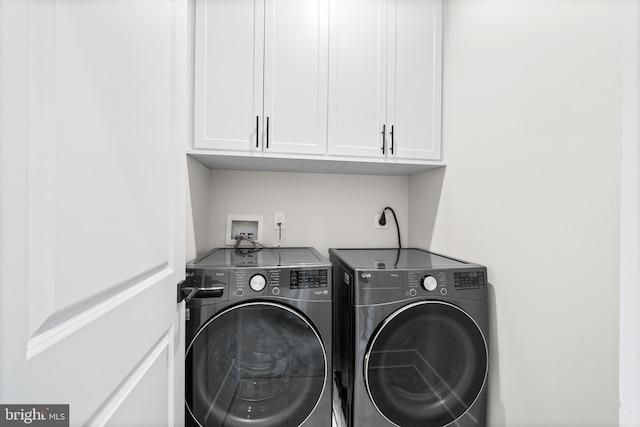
<point x="629" y="221"/>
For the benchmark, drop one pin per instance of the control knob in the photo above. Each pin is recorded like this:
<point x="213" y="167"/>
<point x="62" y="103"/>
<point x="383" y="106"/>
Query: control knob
<point x="429" y="283"/>
<point x="257" y="282"/>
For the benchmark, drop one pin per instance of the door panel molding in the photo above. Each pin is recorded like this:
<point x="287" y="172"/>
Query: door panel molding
<point x="161" y="353"/>
<point x="63" y="323"/>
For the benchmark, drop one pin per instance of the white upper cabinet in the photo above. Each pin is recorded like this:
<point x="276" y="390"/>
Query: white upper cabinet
<point x="261" y="76"/>
<point x="318" y="85"/>
<point x="385" y="79"/>
<point x="228" y="74"/>
<point x="358" y="77"/>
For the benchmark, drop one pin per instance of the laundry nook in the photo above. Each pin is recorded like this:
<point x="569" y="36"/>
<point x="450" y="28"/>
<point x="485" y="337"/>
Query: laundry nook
<point x="319" y="213"/>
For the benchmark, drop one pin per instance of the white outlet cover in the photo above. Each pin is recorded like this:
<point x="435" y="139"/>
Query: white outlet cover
<point x="279" y="217"/>
<point x="376" y="224"/>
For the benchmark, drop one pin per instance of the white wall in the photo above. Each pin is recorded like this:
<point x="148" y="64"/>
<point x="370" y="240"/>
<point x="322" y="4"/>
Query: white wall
<point x="532" y="127"/>
<point x="322" y="210"/>
<point x="630" y="222"/>
<point x="197" y="218"/>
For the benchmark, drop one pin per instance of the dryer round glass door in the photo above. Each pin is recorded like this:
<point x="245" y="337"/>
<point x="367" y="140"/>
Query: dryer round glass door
<point x="426" y="364"/>
<point x="255" y="364"/>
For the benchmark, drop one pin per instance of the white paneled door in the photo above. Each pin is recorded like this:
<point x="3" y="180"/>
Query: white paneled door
<point x="92" y="129"/>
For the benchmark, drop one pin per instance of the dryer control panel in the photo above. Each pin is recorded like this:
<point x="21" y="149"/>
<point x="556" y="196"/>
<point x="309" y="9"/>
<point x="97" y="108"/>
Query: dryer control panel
<point x="429" y="281"/>
<point x="459" y="283"/>
<point x="469" y="279"/>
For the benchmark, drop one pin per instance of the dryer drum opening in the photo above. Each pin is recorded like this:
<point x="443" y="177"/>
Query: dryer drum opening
<point x="426" y="365"/>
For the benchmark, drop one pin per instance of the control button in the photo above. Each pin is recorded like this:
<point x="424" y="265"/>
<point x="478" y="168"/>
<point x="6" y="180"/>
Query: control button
<point x="429" y="283"/>
<point x="240" y="292"/>
<point x="443" y="291"/>
<point x="275" y="291"/>
<point x="258" y="282"/>
<point x="413" y="292"/>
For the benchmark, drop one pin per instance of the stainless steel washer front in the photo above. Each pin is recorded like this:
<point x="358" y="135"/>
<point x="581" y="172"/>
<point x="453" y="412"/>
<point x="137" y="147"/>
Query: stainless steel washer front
<point x="257" y="363"/>
<point x="258" y="339"/>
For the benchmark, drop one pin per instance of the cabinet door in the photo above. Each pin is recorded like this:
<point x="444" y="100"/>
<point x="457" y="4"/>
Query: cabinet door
<point x="415" y="75"/>
<point x="357" y="77"/>
<point x="229" y="49"/>
<point x="296" y="76"/>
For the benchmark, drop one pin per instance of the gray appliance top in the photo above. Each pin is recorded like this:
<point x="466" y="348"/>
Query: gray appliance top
<point x="401" y="259"/>
<point x="259" y="257"/>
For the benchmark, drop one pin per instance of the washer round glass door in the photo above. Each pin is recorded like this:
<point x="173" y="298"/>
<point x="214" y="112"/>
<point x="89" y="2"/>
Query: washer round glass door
<point x="426" y="365"/>
<point x="254" y="364"/>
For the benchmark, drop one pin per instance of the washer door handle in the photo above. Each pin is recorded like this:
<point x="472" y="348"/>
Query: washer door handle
<point x="185" y="293"/>
<point x="213" y="292"/>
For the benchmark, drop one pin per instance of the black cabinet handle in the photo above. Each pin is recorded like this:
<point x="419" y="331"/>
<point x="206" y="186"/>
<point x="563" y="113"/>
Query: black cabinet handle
<point x="384" y="138"/>
<point x="267" y="131"/>
<point x="257" y="131"/>
<point x="391" y="139"/>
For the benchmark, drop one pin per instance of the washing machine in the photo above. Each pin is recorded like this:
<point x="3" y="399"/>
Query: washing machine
<point x="410" y="338"/>
<point x="258" y="338"/>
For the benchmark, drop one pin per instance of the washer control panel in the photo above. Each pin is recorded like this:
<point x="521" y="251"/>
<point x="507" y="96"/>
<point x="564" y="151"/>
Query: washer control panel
<point x="308" y="279"/>
<point x="257" y="282"/>
<point x="313" y="283"/>
<point x="289" y="282"/>
<point x="429" y="283"/>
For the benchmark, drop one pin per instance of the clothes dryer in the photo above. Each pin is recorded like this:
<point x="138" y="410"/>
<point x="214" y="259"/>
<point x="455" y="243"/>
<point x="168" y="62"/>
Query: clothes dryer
<point x="258" y="338"/>
<point x="411" y="338"/>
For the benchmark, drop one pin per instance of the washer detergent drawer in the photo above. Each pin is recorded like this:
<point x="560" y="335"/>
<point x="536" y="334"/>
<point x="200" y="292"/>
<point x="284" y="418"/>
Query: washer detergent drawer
<point x="255" y="364"/>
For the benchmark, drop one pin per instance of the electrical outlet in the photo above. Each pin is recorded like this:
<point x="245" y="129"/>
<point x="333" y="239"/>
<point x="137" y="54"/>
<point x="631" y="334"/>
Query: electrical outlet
<point x="278" y="218"/>
<point x="376" y="224"/>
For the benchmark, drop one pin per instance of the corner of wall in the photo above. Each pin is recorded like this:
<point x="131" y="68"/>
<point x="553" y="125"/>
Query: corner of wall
<point x="424" y="197"/>
<point x="197" y="218"/>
